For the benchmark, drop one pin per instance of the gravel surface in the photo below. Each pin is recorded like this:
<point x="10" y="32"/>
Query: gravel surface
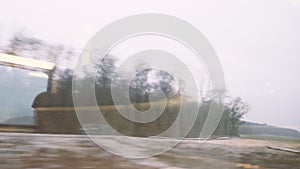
<point x="46" y="151"/>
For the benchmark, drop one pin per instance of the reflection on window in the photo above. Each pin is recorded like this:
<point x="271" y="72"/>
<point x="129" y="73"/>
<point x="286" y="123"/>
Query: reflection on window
<point x="18" y="88"/>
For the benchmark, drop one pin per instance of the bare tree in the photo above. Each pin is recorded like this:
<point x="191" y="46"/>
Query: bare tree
<point x="31" y="47"/>
<point x="235" y="110"/>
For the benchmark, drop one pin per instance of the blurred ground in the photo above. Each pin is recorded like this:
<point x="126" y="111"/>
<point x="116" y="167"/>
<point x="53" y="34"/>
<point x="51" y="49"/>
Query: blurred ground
<point x="37" y="151"/>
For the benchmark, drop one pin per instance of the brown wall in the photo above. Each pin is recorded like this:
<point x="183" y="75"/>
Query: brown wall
<point x="58" y="122"/>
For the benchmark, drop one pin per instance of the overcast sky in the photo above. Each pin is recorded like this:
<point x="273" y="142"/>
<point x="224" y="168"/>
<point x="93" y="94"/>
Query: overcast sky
<point x="257" y="41"/>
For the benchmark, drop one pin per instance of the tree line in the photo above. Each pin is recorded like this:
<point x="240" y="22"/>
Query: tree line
<point x="141" y="86"/>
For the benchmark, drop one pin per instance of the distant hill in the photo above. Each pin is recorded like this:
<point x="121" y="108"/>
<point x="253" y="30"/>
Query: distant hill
<point x="249" y="128"/>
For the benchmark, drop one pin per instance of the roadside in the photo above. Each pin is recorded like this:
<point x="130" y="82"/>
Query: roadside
<point x="74" y="151"/>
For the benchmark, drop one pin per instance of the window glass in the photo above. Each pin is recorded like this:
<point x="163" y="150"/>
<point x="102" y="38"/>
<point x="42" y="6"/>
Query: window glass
<point x="18" y="88"/>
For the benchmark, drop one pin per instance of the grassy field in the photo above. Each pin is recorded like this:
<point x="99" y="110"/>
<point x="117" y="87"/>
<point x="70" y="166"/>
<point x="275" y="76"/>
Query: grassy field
<point x="272" y="137"/>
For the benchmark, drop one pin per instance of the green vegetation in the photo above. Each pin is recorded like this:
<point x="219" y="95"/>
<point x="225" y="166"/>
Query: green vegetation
<point x="265" y="130"/>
